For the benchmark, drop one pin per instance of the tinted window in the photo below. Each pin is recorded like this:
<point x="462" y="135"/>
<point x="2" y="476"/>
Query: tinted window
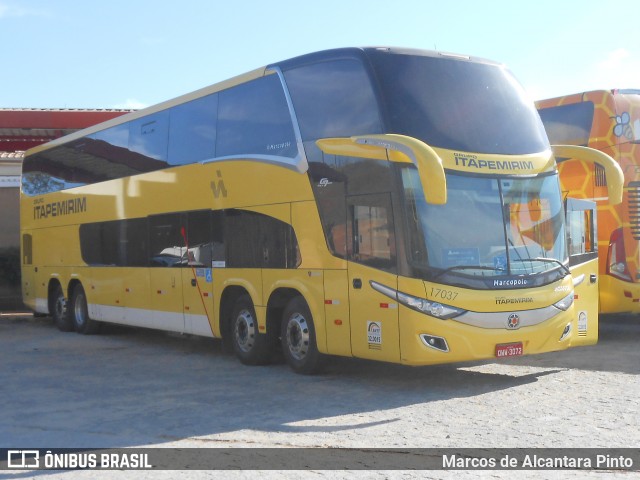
<point x="167" y="245"/>
<point x="117" y="136"/>
<point x="224" y="238"/>
<point x="333" y="99"/>
<point x="254" y="240"/>
<point x="253" y="118"/>
<point x="120" y="243"/>
<point x="335" y="180"/>
<point x="457" y="104"/>
<point x="242" y="230"/>
<point x="199" y="238"/>
<point x="99" y="243"/>
<point x="192" y="137"/>
<point x="568" y="124"/>
<point x="27" y="249"/>
<point x="134" y="242"/>
<point x="149" y="135"/>
<point x="372" y="243"/>
<point x="100" y="157"/>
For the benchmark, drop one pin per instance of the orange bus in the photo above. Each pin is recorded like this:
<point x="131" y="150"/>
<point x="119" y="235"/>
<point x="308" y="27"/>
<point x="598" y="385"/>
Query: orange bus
<point x="607" y="120"/>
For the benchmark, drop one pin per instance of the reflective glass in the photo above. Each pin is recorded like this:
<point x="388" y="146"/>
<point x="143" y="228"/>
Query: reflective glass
<point x="489" y="227"/>
<point x="254" y="118"/>
<point x="149" y="135"/>
<point x="568" y="124"/>
<point x="333" y="99"/>
<point x="192" y="137"/>
<point x="457" y="104"/>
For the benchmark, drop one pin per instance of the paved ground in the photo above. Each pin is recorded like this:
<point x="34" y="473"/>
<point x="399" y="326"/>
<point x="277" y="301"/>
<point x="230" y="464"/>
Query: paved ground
<point x="133" y="387"/>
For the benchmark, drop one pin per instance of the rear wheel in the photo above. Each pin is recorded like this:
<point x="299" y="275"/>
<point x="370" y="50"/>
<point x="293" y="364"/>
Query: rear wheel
<point x="298" y="338"/>
<point x="58" y="310"/>
<point x="80" y="313"/>
<point x="250" y="346"/>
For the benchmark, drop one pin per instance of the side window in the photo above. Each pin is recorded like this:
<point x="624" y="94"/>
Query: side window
<point x="581" y="230"/>
<point x="258" y="241"/>
<point x="224" y="238"/>
<point x="370" y="220"/>
<point x="27" y="249"/>
<point x="134" y="242"/>
<point x="99" y="243"/>
<point x="218" y="252"/>
<point x="192" y="137"/>
<point x="199" y="238"/>
<point x="126" y="149"/>
<point x="55" y="169"/>
<point x="242" y="234"/>
<point x="330" y="188"/>
<point x="333" y="99"/>
<point x="568" y="124"/>
<point x="253" y="118"/>
<point x="338" y="178"/>
<point x="166" y="244"/>
<point x="149" y="136"/>
<point x="279" y="244"/>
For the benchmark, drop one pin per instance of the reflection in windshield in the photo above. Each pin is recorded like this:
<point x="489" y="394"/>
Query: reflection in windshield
<point x="489" y="227"/>
<point x="458" y="105"/>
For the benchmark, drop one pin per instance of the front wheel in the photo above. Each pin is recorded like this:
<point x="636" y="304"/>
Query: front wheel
<point x="80" y="313"/>
<point x="298" y="338"/>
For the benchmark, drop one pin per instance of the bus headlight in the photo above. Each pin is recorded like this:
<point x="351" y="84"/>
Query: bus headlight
<point x="435" y="309"/>
<point x="565" y="303"/>
<point x="422" y="305"/>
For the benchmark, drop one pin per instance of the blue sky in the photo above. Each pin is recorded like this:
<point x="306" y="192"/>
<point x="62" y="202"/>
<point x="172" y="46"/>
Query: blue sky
<point x="135" y="53"/>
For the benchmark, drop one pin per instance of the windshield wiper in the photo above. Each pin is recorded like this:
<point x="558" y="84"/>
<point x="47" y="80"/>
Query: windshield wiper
<point x="547" y="260"/>
<point x="466" y="267"/>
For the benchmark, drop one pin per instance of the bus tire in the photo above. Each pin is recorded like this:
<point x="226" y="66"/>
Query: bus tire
<point x="250" y="346"/>
<point x="79" y="313"/>
<point x="298" y="338"/>
<point x="58" y="310"/>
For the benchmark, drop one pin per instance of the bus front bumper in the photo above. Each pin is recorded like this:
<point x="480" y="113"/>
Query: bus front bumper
<point x="426" y="340"/>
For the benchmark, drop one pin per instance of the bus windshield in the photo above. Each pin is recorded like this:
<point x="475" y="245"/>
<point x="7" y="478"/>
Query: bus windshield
<point x="458" y="105"/>
<point x="489" y="227"/>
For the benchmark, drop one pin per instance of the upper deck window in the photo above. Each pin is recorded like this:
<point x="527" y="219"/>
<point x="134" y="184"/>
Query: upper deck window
<point x="457" y="104"/>
<point x="251" y="119"/>
<point x="254" y="118"/>
<point x="568" y="124"/>
<point x="333" y="99"/>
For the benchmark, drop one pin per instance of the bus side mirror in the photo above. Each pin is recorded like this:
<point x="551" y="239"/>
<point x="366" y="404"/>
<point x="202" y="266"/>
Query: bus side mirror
<point x="400" y="149"/>
<point x="615" y="177"/>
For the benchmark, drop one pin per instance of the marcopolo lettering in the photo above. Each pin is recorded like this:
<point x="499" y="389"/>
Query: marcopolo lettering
<point x="472" y="161"/>
<point x="512" y="282"/>
<point x="58" y="209"/>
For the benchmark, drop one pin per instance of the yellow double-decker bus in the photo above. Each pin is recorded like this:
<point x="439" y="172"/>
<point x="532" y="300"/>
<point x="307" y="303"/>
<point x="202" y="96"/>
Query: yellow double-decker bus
<point x="607" y="120"/>
<point x="394" y="205"/>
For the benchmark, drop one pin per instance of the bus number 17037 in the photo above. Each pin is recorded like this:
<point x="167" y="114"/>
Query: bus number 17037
<point x="443" y="294"/>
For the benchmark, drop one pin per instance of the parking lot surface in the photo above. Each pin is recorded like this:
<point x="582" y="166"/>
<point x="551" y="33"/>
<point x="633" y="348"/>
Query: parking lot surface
<point x="140" y="388"/>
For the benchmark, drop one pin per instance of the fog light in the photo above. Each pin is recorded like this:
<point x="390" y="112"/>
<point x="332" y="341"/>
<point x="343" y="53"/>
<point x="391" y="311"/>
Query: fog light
<point x="437" y="343"/>
<point x="565" y="332"/>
